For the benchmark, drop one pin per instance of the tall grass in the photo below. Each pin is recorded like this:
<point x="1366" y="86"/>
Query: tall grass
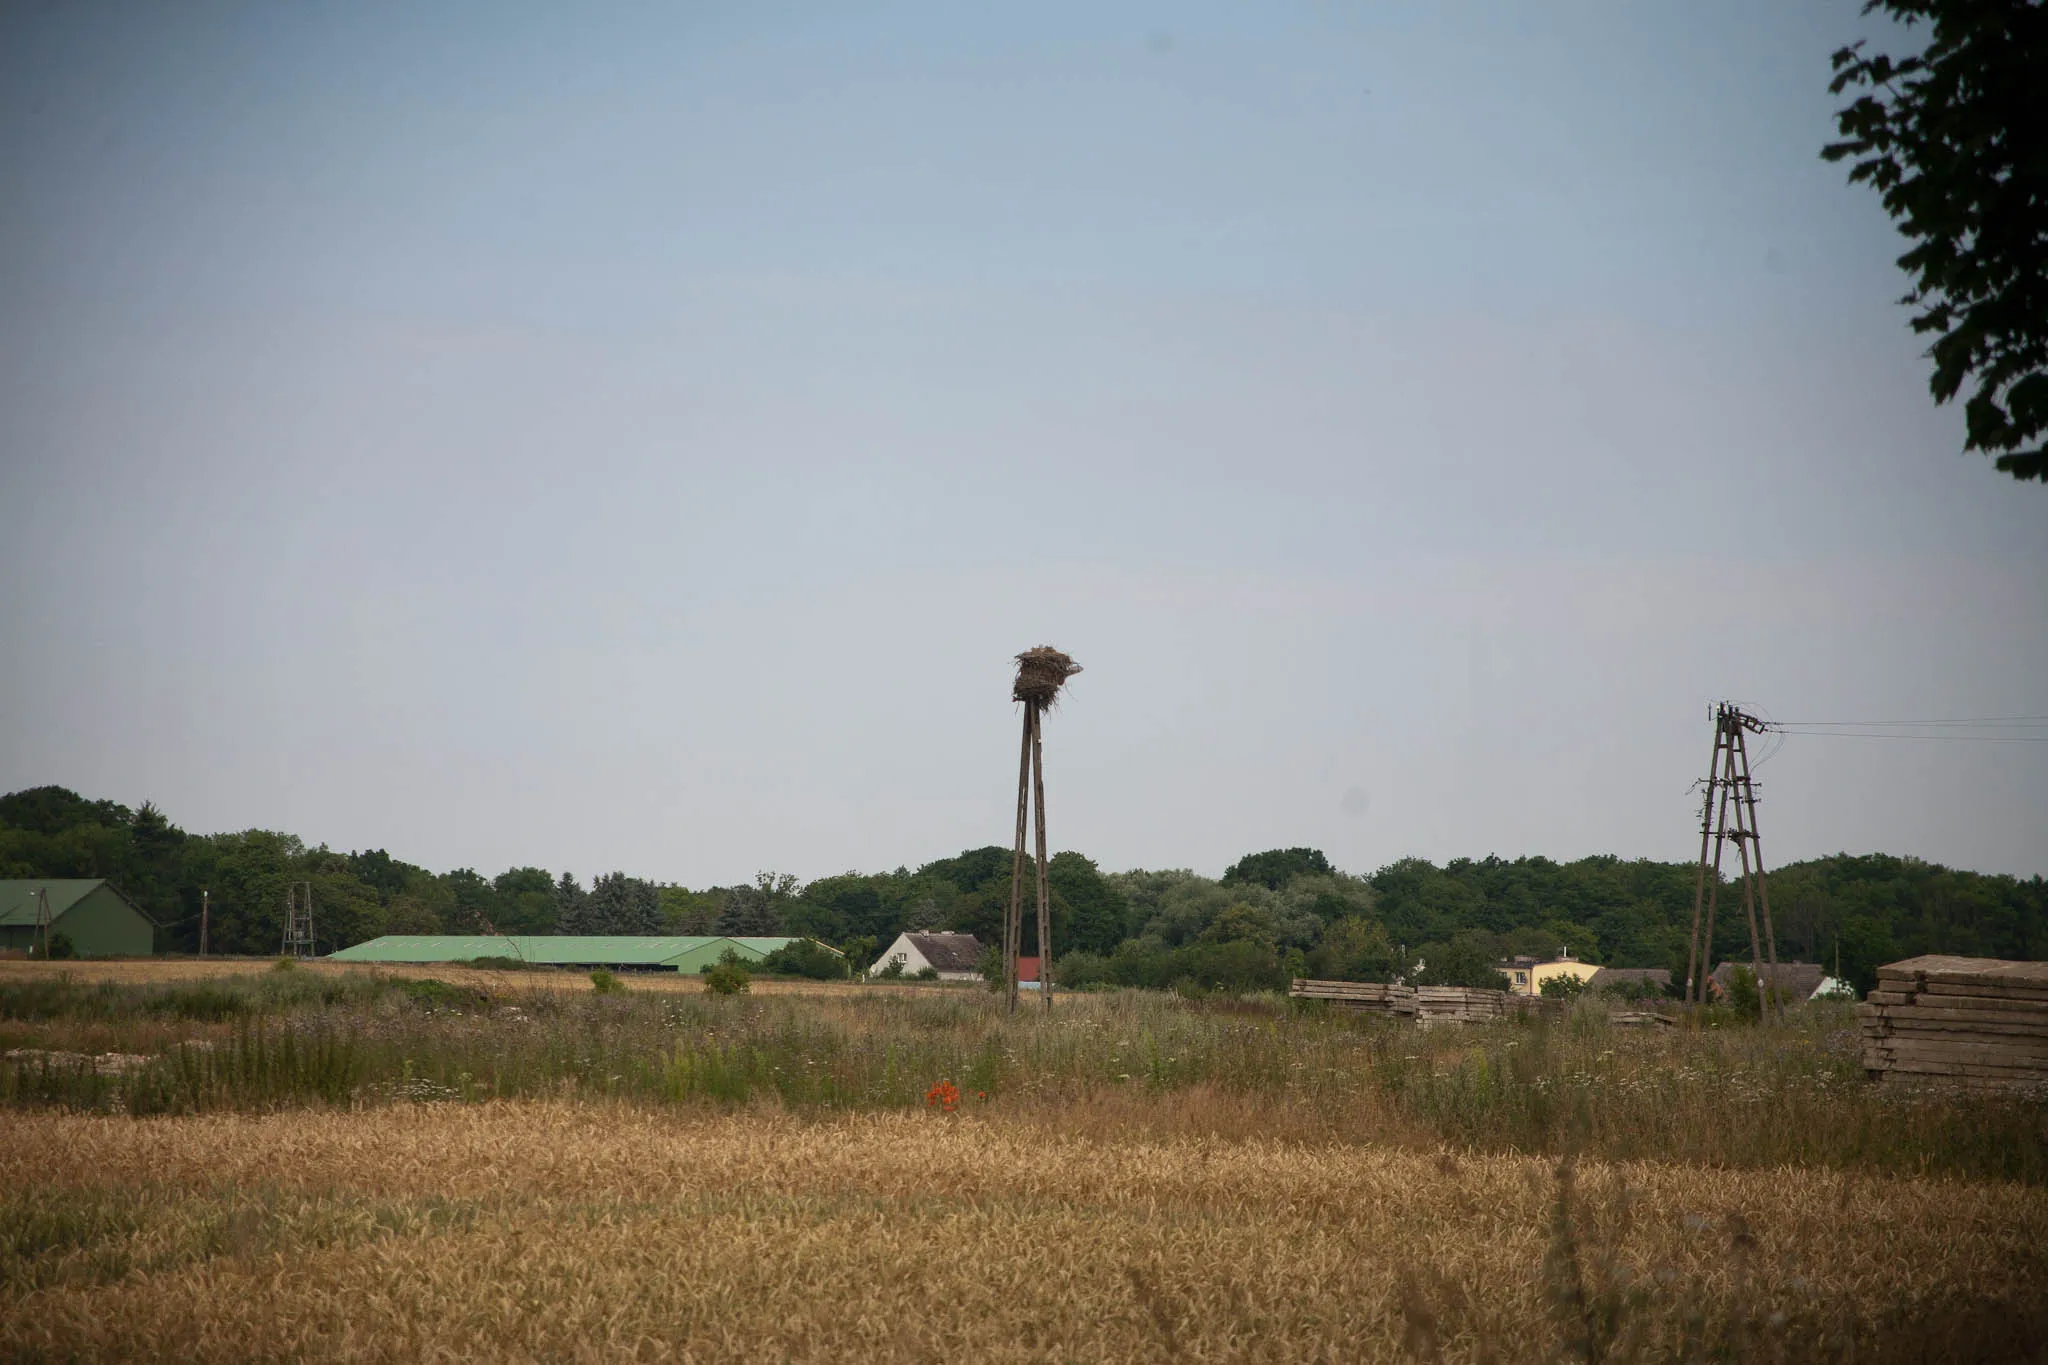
<point x="1730" y="1096"/>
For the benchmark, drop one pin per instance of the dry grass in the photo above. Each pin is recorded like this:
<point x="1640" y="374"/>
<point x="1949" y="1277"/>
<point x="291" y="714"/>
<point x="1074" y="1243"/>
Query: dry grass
<point x="556" y="1231"/>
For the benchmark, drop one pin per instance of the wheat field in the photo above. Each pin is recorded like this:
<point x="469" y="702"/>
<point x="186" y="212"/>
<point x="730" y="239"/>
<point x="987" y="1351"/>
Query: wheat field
<point x="368" y="1165"/>
<point x="557" y="1231"/>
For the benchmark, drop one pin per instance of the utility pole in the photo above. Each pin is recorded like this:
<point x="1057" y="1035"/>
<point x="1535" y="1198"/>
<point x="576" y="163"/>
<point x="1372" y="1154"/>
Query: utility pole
<point x="298" y="920"/>
<point x="205" y="914"/>
<point x="43" y="920"/>
<point x="1041" y="672"/>
<point x="1728" y="815"/>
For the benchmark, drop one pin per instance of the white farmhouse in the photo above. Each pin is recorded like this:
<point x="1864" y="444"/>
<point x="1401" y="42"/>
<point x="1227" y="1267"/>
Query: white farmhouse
<point x="956" y="957"/>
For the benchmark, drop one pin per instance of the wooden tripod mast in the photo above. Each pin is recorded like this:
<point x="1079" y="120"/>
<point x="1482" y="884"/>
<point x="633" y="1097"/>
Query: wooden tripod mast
<point x="1728" y="815"/>
<point x="1041" y="672"/>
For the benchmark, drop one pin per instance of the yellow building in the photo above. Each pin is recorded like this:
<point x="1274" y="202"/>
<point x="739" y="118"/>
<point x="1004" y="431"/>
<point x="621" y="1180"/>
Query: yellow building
<point x="1526" y="975"/>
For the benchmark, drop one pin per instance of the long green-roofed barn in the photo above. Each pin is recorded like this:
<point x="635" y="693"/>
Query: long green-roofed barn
<point x="98" y="920"/>
<point x="681" y="953"/>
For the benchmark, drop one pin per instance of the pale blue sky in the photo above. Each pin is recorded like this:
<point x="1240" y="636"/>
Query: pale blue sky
<point x="638" y="436"/>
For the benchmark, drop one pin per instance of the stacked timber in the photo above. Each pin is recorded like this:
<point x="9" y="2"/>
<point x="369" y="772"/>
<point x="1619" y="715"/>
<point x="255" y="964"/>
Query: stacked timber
<point x="1369" y="996"/>
<point x="1459" y="1004"/>
<point x="1973" y="1021"/>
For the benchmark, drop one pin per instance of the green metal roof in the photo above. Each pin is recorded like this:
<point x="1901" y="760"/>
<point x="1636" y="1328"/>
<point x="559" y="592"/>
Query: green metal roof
<point x="18" y="899"/>
<point x="565" y="950"/>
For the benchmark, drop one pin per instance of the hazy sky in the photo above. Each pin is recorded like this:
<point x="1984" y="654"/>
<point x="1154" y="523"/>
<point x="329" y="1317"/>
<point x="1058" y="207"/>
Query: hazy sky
<point x="638" y="436"/>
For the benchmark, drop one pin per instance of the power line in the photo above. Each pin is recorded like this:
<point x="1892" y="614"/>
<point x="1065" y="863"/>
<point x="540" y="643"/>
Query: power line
<point x="1993" y="721"/>
<point x="1947" y="738"/>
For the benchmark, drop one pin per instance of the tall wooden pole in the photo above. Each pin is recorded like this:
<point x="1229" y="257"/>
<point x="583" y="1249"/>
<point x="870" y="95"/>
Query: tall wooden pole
<point x="1747" y="798"/>
<point x="1742" y="836"/>
<point x="1714" y="879"/>
<point x="1044" y="901"/>
<point x="1013" y="918"/>
<point x="1699" y="884"/>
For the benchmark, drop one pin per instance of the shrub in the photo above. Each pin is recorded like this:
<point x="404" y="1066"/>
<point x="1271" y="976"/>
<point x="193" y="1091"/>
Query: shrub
<point x="1352" y="949"/>
<point x="804" y="958"/>
<point x="430" y="993"/>
<point x="1743" y="997"/>
<point x="61" y="947"/>
<point x="893" y="971"/>
<point x="604" y="982"/>
<point x="1077" y="971"/>
<point x="284" y="964"/>
<point x="727" y="976"/>
<point x="1240" y="965"/>
<point x="1464" y="961"/>
<point x="202" y="1000"/>
<point x="927" y="973"/>
<point x="1562" y="988"/>
<point x="499" y="964"/>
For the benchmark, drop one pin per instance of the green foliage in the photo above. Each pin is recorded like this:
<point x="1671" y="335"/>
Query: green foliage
<point x="61" y="947"/>
<point x="757" y="910"/>
<point x="727" y="976"/>
<point x="1353" y="949"/>
<point x="1467" y="960"/>
<point x="1243" y="924"/>
<point x="1089" y="911"/>
<point x="210" y="1001"/>
<point x="606" y="982"/>
<point x="499" y="964"/>
<point x="1744" y="999"/>
<point x="1234" y="966"/>
<point x="284" y="964"/>
<point x="1080" y="970"/>
<point x="446" y="995"/>
<point x="806" y="959"/>
<point x="1562" y="987"/>
<point x="1275" y="868"/>
<point x="1868" y="909"/>
<point x="1952" y="141"/>
<point x="926" y="973"/>
<point x="618" y="904"/>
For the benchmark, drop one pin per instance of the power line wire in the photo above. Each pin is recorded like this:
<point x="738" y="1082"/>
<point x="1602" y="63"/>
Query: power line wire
<point x="1975" y="721"/>
<point x="1951" y="738"/>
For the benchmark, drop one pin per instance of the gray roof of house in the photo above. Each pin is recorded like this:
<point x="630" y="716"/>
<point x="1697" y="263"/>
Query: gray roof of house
<point x="1797" y="980"/>
<point x="948" y="952"/>
<point x="1610" y="976"/>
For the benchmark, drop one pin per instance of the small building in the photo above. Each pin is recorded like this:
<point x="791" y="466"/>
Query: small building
<point x="1526" y="975"/>
<point x="1027" y="973"/>
<point x="690" y="953"/>
<point x="955" y="957"/>
<point x="97" y="919"/>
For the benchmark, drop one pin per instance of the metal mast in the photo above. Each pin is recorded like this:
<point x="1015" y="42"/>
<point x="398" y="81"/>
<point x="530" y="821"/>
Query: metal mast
<point x="298" y="920"/>
<point x="1728" y="815"/>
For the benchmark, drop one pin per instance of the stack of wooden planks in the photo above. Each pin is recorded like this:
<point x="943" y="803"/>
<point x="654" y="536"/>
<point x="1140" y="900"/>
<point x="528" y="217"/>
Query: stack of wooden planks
<point x="1974" y="1021"/>
<point x="1356" y="995"/>
<point x="1459" y="1004"/>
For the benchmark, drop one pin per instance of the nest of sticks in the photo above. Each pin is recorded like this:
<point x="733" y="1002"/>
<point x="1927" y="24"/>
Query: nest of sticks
<point x="1041" y="672"/>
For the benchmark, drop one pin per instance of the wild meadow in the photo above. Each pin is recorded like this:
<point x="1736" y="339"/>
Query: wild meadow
<point x="335" y="1163"/>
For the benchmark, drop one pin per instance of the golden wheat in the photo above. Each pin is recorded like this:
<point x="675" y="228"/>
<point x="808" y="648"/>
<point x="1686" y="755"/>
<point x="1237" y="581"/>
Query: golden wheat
<point x="563" y="1231"/>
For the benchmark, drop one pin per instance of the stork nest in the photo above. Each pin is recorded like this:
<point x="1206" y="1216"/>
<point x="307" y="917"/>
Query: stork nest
<point x="1041" y="672"/>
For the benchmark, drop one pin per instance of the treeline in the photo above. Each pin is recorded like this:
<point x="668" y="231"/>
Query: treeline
<point x="1273" y="914"/>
